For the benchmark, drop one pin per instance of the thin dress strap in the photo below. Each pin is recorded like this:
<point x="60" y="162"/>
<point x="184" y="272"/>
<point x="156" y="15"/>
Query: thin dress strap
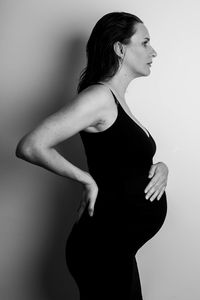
<point x="116" y="101"/>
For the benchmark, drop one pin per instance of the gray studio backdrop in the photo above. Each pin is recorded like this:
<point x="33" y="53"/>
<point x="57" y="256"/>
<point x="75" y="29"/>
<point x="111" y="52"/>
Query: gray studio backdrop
<point x="42" y="54"/>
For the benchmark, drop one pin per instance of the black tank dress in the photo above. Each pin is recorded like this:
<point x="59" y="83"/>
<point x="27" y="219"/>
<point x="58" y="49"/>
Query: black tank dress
<point x="100" y="250"/>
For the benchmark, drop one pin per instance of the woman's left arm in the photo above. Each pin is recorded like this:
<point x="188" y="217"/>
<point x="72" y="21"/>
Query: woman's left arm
<point x="156" y="187"/>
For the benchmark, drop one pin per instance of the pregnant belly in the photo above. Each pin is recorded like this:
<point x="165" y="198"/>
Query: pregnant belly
<point x="123" y="216"/>
<point x="126" y="215"/>
<point x="143" y="218"/>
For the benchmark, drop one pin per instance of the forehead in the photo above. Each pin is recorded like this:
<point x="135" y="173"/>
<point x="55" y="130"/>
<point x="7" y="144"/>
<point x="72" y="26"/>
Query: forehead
<point x="141" y="32"/>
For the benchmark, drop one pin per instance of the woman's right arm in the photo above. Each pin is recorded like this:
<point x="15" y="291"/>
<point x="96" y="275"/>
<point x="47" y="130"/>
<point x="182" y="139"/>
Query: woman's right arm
<point x="37" y="146"/>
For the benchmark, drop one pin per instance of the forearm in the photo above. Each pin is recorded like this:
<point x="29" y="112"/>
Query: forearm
<point x="53" y="161"/>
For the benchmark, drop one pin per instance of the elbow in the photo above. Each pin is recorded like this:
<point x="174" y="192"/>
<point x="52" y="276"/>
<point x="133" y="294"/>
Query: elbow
<point x="25" y="149"/>
<point x="21" y="151"/>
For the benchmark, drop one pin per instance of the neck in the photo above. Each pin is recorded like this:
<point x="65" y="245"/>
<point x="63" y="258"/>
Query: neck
<point x="119" y="83"/>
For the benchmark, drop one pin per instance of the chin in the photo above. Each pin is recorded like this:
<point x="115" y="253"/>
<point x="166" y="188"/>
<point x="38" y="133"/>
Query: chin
<point x="147" y="73"/>
<point x="144" y="74"/>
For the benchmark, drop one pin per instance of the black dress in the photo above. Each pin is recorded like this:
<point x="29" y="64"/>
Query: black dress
<point x="101" y="250"/>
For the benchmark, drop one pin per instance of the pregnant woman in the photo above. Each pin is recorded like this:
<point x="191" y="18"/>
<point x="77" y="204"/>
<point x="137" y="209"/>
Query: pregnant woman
<point x="124" y="200"/>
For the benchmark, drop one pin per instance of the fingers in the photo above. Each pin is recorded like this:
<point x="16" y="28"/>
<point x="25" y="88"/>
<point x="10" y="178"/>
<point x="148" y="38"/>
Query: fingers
<point x="157" y="184"/>
<point x="161" y="193"/>
<point x="152" y="198"/>
<point x="152" y="183"/>
<point x="155" y="193"/>
<point x="89" y="197"/>
<point x="92" y="202"/>
<point x="91" y="207"/>
<point x="155" y="188"/>
<point x="152" y="193"/>
<point x="155" y="177"/>
<point x="81" y="208"/>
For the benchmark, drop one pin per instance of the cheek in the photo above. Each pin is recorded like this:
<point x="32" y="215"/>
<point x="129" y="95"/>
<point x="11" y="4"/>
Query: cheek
<point x="135" y="62"/>
<point x="135" y="59"/>
<point x="132" y="58"/>
<point x="139" y="55"/>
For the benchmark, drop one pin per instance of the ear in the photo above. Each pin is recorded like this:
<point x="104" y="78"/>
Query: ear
<point x="119" y="49"/>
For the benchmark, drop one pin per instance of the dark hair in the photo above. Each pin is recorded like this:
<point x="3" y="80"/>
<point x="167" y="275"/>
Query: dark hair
<point x="102" y="61"/>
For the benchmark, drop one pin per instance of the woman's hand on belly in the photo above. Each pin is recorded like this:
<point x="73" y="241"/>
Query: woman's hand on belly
<point x="156" y="187"/>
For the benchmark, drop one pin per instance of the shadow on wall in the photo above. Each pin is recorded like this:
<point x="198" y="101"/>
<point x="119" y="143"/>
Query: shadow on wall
<point x="53" y="279"/>
<point x="56" y="281"/>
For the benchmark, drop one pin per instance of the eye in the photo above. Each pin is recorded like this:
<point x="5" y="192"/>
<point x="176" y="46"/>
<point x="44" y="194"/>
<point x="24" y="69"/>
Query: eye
<point x="145" y="43"/>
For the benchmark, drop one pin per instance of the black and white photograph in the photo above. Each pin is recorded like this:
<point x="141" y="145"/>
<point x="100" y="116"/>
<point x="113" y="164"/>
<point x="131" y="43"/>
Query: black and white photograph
<point x="99" y="150"/>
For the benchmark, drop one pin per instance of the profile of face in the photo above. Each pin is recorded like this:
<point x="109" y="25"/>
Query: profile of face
<point x="138" y="54"/>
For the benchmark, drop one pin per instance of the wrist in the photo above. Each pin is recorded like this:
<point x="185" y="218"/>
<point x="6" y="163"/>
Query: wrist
<point x="88" y="179"/>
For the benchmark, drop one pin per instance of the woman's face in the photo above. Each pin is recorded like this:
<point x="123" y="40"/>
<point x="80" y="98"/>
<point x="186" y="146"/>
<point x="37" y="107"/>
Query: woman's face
<point x="139" y="53"/>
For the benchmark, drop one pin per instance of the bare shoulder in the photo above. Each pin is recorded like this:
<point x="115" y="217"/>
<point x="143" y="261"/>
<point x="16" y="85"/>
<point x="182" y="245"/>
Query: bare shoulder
<point x="98" y="101"/>
<point x="97" y="97"/>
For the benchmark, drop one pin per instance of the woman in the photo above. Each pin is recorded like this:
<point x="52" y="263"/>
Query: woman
<point x="124" y="200"/>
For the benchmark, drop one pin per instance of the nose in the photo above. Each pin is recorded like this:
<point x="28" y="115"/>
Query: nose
<point x="154" y="53"/>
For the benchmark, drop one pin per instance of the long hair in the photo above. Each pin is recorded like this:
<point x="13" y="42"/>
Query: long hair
<point x="102" y="61"/>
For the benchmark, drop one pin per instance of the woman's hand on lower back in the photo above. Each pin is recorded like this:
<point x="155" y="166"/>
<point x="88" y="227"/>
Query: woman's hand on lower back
<point x="156" y="187"/>
<point x="90" y="192"/>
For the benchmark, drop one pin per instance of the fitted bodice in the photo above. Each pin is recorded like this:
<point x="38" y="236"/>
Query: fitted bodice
<point x="121" y="152"/>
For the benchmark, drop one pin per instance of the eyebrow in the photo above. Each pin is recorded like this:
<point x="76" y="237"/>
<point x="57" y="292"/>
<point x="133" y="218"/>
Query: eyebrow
<point x="148" y="39"/>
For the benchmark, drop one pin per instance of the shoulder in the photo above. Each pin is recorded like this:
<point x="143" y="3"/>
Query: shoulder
<point x="90" y="104"/>
<point x="96" y="104"/>
<point x="91" y="108"/>
<point x="97" y="97"/>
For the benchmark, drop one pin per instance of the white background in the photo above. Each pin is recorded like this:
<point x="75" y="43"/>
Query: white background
<point x="42" y="53"/>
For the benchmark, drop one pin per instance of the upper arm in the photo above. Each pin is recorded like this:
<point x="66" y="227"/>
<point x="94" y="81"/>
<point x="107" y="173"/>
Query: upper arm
<point x="85" y="110"/>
